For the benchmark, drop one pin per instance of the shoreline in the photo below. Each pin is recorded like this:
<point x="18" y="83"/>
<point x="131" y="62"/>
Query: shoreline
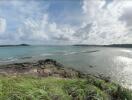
<point x="31" y="68"/>
<point x="54" y="76"/>
<point x="47" y="66"/>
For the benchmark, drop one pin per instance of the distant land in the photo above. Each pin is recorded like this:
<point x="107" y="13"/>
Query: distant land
<point x="84" y="45"/>
<point x="111" y="45"/>
<point x="14" y="45"/>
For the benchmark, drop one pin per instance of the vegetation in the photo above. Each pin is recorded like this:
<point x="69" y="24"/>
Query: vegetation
<point x="111" y="45"/>
<point x="49" y="80"/>
<point x="53" y="88"/>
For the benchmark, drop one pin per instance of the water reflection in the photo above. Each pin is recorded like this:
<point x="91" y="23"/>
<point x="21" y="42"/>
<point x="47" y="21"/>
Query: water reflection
<point x="113" y="62"/>
<point x="125" y="74"/>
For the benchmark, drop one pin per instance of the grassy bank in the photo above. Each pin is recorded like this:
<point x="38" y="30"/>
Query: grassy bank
<point x="50" y="80"/>
<point x="53" y="88"/>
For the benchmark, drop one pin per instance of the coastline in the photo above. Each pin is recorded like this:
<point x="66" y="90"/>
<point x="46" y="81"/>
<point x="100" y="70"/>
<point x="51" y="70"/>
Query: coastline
<point x="44" y="68"/>
<point x="77" y="85"/>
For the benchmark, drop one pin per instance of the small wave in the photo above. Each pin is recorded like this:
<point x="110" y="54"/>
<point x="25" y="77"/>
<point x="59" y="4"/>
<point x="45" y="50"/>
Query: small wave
<point x="25" y="57"/>
<point x="10" y="59"/>
<point x="46" y="54"/>
<point x="84" y="51"/>
<point x="126" y="50"/>
<point x="60" y="52"/>
<point x="71" y="53"/>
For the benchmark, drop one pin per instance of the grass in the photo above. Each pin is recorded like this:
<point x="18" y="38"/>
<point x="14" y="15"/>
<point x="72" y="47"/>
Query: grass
<point x="51" y="88"/>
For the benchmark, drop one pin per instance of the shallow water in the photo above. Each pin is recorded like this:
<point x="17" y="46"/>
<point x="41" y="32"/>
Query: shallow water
<point x="113" y="62"/>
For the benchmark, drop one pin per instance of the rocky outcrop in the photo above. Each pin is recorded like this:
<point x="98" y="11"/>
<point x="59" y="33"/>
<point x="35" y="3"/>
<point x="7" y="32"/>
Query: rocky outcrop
<point x="50" y="67"/>
<point x="42" y="68"/>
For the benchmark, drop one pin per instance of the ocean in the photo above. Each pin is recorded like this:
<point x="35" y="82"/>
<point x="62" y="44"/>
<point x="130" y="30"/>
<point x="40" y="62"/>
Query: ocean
<point x="108" y="61"/>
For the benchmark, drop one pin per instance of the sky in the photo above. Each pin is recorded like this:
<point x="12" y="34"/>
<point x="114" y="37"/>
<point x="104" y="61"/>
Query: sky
<point x="69" y="22"/>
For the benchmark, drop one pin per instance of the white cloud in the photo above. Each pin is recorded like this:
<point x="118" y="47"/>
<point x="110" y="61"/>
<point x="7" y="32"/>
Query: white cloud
<point x="106" y="27"/>
<point x="2" y="25"/>
<point x="101" y="22"/>
<point x="43" y="30"/>
<point x="101" y="25"/>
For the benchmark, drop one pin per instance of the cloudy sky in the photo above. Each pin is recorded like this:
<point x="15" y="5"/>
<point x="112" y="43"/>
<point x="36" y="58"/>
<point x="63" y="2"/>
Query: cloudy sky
<point x="65" y="21"/>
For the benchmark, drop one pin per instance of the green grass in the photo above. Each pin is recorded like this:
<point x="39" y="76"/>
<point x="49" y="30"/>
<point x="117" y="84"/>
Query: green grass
<point x="51" y="88"/>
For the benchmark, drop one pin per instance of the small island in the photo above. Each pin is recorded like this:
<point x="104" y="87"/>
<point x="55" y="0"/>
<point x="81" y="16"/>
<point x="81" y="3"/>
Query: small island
<point x="14" y="45"/>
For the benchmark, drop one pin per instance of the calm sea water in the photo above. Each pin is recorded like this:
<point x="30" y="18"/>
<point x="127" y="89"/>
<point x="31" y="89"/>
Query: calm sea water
<point x="113" y="62"/>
